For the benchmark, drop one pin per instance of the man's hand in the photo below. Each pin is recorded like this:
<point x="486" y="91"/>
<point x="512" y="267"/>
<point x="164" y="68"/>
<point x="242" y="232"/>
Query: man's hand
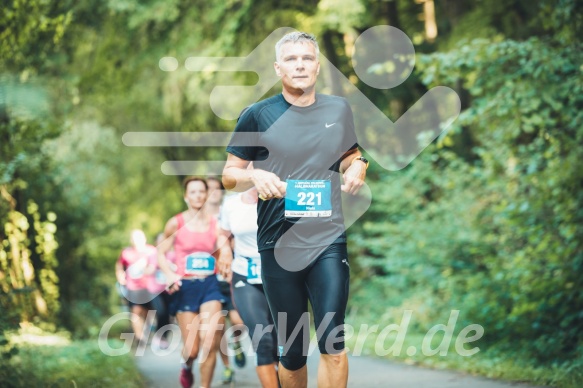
<point x="268" y="184"/>
<point x="354" y="177"/>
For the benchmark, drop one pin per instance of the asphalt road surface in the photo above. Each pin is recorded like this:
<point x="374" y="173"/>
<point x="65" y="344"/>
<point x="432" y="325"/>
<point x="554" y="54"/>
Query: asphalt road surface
<point x="161" y="369"/>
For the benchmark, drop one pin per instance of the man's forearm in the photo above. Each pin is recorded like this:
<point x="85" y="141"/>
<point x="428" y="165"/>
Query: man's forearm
<point x="237" y="179"/>
<point x="348" y="158"/>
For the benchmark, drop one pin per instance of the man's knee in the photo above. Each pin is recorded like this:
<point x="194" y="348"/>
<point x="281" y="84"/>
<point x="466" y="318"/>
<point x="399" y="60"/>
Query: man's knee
<point x="332" y="340"/>
<point x="293" y="362"/>
<point x="335" y="360"/>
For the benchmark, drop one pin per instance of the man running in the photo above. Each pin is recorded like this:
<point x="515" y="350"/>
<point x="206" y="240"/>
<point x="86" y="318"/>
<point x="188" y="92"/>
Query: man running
<point x="302" y="145"/>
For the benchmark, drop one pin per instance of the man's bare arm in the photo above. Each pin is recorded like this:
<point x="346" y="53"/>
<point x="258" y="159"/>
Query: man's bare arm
<point x="353" y="172"/>
<point x="237" y="177"/>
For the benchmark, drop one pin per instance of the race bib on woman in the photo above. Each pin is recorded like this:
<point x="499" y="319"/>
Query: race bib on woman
<point x="136" y="270"/>
<point x="199" y="264"/>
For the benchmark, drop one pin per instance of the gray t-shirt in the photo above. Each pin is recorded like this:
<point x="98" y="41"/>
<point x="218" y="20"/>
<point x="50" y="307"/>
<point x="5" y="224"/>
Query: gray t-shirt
<point x="297" y="143"/>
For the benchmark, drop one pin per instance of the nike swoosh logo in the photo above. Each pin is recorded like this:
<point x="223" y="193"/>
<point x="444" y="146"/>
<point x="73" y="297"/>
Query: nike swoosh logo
<point x="328" y="126"/>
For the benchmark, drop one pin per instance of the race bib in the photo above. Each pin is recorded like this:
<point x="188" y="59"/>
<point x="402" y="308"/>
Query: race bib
<point x="254" y="272"/>
<point x="199" y="264"/>
<point x="136" y="270"/>
<point x="160" y="277"/>
<point x="308" y="198"/>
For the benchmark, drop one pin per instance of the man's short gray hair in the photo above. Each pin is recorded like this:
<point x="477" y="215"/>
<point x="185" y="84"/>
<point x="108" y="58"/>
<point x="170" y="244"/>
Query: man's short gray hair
<point x="295" y="37"/>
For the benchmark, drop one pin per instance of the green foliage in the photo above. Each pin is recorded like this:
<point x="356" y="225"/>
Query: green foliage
<point x="487" y="220"/>
<point x="495" y="234"/>
<point x="83" y="315"/>
<point x="528" y="146"/>
<point x="95" y="173"/>
<point x="339" y="15"/>
<point x="29" y="41"/>
<point x="62" y="363"/>
<point x="25" y="293"/>
<point x="562" y="19"/>
<point x="416" y="241"/>
<point x="31" y="31"/>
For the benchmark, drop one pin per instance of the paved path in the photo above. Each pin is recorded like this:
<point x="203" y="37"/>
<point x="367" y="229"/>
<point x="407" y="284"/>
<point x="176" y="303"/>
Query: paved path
<point x="365" y="372"/>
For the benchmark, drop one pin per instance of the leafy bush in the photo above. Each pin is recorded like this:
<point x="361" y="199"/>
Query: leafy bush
<point x="487" y="221"/>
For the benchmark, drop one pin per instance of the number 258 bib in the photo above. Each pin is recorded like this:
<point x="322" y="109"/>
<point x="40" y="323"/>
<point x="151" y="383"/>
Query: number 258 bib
<point x="308" y="198"/>
<point x="199" y="264"/>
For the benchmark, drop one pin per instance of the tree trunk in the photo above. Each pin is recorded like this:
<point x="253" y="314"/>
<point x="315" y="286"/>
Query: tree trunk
<point x="328" y="40"/>
<point x="430" y="23"/>
<point x="392" y="14"/>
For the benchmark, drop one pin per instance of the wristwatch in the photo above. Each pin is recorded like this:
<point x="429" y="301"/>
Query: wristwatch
<point x="362" y="159"/>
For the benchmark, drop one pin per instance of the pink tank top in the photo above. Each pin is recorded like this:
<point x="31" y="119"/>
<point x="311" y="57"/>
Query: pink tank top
<point x="187" y="242"/>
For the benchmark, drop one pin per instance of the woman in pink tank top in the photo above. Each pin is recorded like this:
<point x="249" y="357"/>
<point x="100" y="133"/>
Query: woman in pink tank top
<point x="189" y="242"/>
<point x="195" y="295"/>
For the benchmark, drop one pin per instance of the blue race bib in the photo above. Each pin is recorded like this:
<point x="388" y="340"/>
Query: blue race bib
<point x="254" y="272"/>
<point x="160" y="277"/>
<point x="200" y="264"/>
<point x="308" y="198"/>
